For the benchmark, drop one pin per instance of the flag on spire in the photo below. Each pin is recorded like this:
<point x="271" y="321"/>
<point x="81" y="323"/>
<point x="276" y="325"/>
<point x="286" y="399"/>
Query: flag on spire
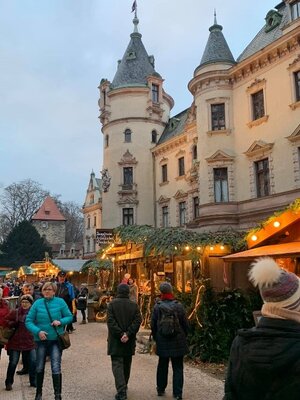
<point x="133" y="8"/>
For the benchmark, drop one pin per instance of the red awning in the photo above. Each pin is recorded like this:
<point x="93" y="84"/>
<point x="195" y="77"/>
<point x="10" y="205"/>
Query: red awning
<point x="274" y="250"/>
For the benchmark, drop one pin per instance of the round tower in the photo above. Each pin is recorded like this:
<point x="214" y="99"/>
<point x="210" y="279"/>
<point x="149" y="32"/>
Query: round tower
<point x="134" y="109"/>
<point x="212" y="91"/>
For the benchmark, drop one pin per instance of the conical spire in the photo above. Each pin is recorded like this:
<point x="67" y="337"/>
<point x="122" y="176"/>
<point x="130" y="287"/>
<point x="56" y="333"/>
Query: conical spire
<point x="136" y="65"/>
<point x="216" y="49"/>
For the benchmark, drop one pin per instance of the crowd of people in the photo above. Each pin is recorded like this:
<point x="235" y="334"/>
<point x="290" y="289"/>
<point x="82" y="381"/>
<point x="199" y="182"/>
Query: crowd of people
<point x="41" y="313"/>
<point x="264" y="360"/>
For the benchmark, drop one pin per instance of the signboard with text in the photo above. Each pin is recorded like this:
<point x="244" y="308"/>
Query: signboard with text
<point x="104" y="236"/>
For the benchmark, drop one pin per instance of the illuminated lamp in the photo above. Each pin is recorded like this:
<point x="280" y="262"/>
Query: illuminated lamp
<point x="211" y="248"/>
<point x="187" y="248"/>
<point x="254" y="238"/>
<point x="198" y="248"/>
<point x="222" y="247"/>
<point x="175" y="247"/>
<point x="276" y="224"/>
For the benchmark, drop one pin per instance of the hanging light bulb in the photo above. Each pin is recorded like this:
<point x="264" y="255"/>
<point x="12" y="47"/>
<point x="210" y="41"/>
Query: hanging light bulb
<point x="276" y="224"/>
<point x="211" y="248"/>
<point x="187" y="248"/>
<point x="222" y="247"/>
<point x="254" y="238"/>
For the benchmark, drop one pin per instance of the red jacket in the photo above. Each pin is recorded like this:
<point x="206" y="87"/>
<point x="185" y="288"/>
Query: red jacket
<point x="4" y="311"/>
<point x="5" y="291"/>
<point x="22" y="339"/>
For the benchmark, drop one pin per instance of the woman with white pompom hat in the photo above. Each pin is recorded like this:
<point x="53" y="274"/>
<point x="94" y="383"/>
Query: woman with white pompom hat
<point x="264" y="361"/>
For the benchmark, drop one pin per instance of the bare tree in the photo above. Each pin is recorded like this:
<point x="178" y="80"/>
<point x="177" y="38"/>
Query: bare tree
<point x="19" y="201"/>
<point x="74" y="217"/>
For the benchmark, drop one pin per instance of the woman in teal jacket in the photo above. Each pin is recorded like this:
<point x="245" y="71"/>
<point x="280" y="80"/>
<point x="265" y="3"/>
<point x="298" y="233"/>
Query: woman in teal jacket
<point x="45" y="330"/>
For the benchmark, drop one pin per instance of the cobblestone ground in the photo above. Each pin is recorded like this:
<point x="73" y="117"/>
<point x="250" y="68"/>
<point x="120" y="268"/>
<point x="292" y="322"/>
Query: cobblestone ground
<point x="87" y="374"/>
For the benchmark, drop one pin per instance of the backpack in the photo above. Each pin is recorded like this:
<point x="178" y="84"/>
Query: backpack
<point x="168" y="324"/>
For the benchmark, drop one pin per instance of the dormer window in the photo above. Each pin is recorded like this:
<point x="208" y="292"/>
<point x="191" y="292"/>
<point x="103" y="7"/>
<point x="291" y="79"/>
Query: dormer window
<point x="295" y="9"/>
<point x="273" y="19"/>
<point x="131" y="55"/>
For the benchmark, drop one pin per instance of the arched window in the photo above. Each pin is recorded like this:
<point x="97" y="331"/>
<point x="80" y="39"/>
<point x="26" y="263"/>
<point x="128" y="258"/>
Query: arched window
<point x="153" y="136"/>
<point x="127" y="136"/>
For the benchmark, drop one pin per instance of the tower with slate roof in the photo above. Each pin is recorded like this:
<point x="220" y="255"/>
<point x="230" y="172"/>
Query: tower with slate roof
<point x="134" y="110"/>
<point x="212" y="90"/>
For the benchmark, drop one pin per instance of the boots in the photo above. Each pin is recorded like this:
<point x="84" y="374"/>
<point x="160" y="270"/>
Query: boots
<point x="39" y="385"/>
<point x="56" y="379"/>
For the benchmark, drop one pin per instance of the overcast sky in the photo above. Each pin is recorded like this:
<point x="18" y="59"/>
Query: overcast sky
<point x="53" y="54"/>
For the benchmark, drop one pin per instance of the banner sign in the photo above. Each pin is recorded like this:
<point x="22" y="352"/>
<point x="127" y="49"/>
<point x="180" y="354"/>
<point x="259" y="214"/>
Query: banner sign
<point x="104" y="236"/>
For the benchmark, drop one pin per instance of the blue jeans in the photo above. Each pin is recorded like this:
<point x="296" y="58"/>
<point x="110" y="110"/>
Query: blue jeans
<point x="14" y="356"/>
<point x="51" y="348"/>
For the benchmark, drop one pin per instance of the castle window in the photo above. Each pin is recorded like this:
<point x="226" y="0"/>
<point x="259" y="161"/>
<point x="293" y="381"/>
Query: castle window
<point x="164" y="173"/>
<point x="196" y="206"/>
<point x="297" y="85"/>
<point x="127" y="136"/>
<point x="153" y="136"/>
<point x="128" y="176"/>
<point x="106" y="140"/>
<point x="217" y="117"/>
<point x="88" y="245"/>
<point x="194" y="153"/>
<point x="258" y="108"/>
<point x="127" y="216"/>
<point x="155" y="93"/>
<point x="262" y="177"/>
<point x="221" y="185"/>
<point x="104" y="97"/>
<point x="88" y="223"/>
<point x="295" y="9"/>
<point x="181" y="171"/>
<point x="182" y="213"/>
<point x="165" y="216"/>
<point x="95" y="221"/>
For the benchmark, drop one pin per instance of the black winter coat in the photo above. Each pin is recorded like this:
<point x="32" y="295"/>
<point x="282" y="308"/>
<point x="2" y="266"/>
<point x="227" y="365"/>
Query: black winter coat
<point x="175" y="346"/>
<point x="123" y="315"/>
<point x="264" y="362"/>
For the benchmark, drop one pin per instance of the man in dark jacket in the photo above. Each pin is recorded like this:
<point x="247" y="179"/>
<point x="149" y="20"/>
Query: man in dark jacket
<point x="65" y="290"/>
<point x="123" y="322"/>
<point x="173" y="346"/>
<point x="265" y="361"/>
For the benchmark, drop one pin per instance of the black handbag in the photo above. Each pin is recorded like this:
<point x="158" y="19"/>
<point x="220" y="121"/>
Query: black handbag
<point x="63" y="339"/>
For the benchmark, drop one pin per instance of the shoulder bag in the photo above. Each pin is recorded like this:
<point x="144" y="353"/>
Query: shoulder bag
<point x="63" y="338"/>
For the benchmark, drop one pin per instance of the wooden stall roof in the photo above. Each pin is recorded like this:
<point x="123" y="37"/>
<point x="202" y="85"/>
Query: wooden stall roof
<point x="282" y="250"/>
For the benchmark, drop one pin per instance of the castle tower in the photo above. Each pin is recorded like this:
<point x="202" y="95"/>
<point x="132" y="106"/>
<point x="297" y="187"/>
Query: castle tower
<point x="92" y="214"/>
<point x="212" y="90"/>
<point x="134" y="109"/>
<point x="50" y="222"/>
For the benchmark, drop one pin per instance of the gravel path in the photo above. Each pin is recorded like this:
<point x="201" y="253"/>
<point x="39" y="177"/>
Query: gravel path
<point x="87" y="374"/>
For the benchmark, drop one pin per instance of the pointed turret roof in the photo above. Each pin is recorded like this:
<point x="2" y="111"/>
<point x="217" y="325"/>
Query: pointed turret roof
<point x="216" y="49"/>
<point x="48" y="212"/>
<point x="136" y="65"/>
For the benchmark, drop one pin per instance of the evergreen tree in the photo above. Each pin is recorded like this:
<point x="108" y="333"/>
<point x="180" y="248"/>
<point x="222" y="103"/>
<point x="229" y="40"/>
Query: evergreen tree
<point x="22" y="246"/>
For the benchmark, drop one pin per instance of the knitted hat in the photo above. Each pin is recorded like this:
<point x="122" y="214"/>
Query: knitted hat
<point x="276" y="285"/>
<point x="27" y="297"/>
<point x="61" y="273"/>
<point x="166" y="288"/>
<point x="123" y="289"/>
